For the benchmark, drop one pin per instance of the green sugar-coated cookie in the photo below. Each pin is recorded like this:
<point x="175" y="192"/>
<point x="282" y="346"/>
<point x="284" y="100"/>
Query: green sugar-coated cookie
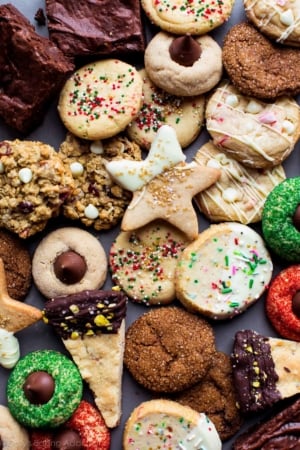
<point x="64" y="400"/>
<point x="280" y="219"/>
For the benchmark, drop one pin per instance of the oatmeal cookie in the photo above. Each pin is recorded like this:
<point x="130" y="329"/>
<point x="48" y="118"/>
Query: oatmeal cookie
<point x="33" y="184"/>
<point x="169" y="349"/>
<point x="259" y="67"/>
<point x="96" y="201"/>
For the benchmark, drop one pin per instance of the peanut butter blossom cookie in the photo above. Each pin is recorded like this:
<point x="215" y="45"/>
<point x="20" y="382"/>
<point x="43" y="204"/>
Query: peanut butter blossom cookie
<point x="44" y="389"/>
<point x="280" y="219"/>
<point x="100" y="99"/>
<point x="187" y="16"/>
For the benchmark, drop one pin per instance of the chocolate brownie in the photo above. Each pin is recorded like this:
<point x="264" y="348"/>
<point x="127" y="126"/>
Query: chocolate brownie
<point x="101" y="27"/>
<point x="32" y="71"/>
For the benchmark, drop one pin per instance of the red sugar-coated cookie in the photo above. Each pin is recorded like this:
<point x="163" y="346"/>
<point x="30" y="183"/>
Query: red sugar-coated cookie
<point x="283" y="303"/>
<point x="89" y="424"/>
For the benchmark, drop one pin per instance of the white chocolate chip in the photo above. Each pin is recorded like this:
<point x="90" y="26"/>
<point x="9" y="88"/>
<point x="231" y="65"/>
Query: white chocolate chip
<point x="213" y="163"/>
<point x="25" y="175"/>
<point x="232" y="100"/>
<point x="76" y="169"/>
<point x="253" y="107"/>
<point x="288" y="127"/>
<point x="97" y="147"/>
<point x="287" y="17"/>
<point x="1" y="167"/>
<point x="230" y="195"/>
<point x="91" y="212"/>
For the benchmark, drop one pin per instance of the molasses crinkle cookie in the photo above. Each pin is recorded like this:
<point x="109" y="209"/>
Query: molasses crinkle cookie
<point x="224" y="271"/>
<point x="33" y="184"/>
<point x="194" y="17"/>
<point x="257" y="66"/>
<point x="256" y="133"/>
<point x="177" y="426"/>
<point x="279" y="20"/>
<point x="240" y="192"/>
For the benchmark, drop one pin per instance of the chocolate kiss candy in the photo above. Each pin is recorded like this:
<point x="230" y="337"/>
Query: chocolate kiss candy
<point x="67" y="439"/>
<point x="39" y="387"/>
<point x="296" y="218"/>
<point x="185" y="50"/>
<point x="296" y="304"/>
<point x="69" y="267"/>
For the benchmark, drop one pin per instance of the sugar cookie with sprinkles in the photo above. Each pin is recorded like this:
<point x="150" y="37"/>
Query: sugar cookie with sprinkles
<point x="279" y="20"/>
<point x="185" y="16"/>
<point x="184" y="114"/>
<point x="100" y="99"/>
<point x="258" y="134"/>
<point x="143" y="262"/>
<point x="155" y="421"/>
<point x="224" y="271"/>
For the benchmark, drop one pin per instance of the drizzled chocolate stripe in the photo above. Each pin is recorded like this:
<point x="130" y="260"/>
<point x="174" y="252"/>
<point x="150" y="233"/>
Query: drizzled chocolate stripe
<point x="254" y="371"/>
<point x="86" y="313"/>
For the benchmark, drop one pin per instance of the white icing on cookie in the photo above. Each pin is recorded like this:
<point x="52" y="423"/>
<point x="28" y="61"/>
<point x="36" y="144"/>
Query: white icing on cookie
<point x="9" y="349"/>
<point x="165" y="152"/>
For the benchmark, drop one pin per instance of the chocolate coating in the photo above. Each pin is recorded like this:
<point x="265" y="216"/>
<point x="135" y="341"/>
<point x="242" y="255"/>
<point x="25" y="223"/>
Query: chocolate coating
<point x="296" y="304"/>
<point x="69" y="267"/>
<point x="67" y="439"/>
<point x="296" y="218"/>
<point x="185" y="50"/>
<point x="39" y="387"/>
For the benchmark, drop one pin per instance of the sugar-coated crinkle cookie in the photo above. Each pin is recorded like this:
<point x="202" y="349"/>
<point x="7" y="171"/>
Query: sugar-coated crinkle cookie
<point x="259" y="67"/>
<point x="279" y="20"/>
<point x="12" y="434"/>
<point x="283" y="303"/>
<point x="256" y="133"/>
<point x="177" y="426"/>
<point x="240" y="192"/>
<point x="44" y="389"/>
<point x="184" y="114"/>
<point x="100" y="99"/>
<point x="68" y="260"/>
<point x="224" y="271"/>
<point x="142" y="262"/>
<point x="192" y="17"/>
<point x="183" y="65"/>
<point x="168" y="349"/>
<point x="280" y="220"/>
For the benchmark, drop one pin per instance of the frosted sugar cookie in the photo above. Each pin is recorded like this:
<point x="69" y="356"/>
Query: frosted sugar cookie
<point x="256" y="133"/>
<point x="224" y="271"/>
<point x="100" y="99"/>
<point x="240" y="192"/>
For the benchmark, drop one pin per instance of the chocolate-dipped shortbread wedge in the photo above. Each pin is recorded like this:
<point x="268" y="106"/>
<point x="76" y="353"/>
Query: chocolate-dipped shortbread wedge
<point x="265" y="370"/>
<point x="92" y="327"/>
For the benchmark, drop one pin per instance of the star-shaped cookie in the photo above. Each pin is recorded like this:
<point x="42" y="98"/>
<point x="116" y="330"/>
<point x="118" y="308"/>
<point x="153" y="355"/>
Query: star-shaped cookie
<point x="14" y="315"/>
<point x="169" y="196"/>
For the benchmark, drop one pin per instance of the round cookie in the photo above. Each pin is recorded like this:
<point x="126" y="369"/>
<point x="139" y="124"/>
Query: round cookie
<point x="280" y="220"/>
<point x="17" y="264"/>
<point x="68" y="260"/>
<point x="224" y="271"/>
<point x="12" y="434"/>
<point x="256" y="133"/>
<point x="259" y="67"/>
<point x="44" y="389"/>
<point x="277" y="20"/>
<point x="184" y="114"/>
<point x="97" y="200"/>
<point x="240" y="192"/>
<point x="183" y="65"/>
<point x="216" y="397"/>
<point x="143" y="262"/>
<point x="192" y="17"/>
<point x="168" y="349"/>
<point x="100" y="99"/>
<point x="282" y="303"/>
<point x="33" y="184"/>
<point x="85" y="429"/>
<point x="164" y="422"/>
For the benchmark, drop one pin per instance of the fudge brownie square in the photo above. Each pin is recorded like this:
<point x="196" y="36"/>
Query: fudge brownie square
<point x="83" y="28"/>
<point x="32" y="71"/>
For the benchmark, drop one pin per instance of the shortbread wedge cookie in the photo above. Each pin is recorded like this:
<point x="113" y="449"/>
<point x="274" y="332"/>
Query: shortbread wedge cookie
<point x="92" y="327"/>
